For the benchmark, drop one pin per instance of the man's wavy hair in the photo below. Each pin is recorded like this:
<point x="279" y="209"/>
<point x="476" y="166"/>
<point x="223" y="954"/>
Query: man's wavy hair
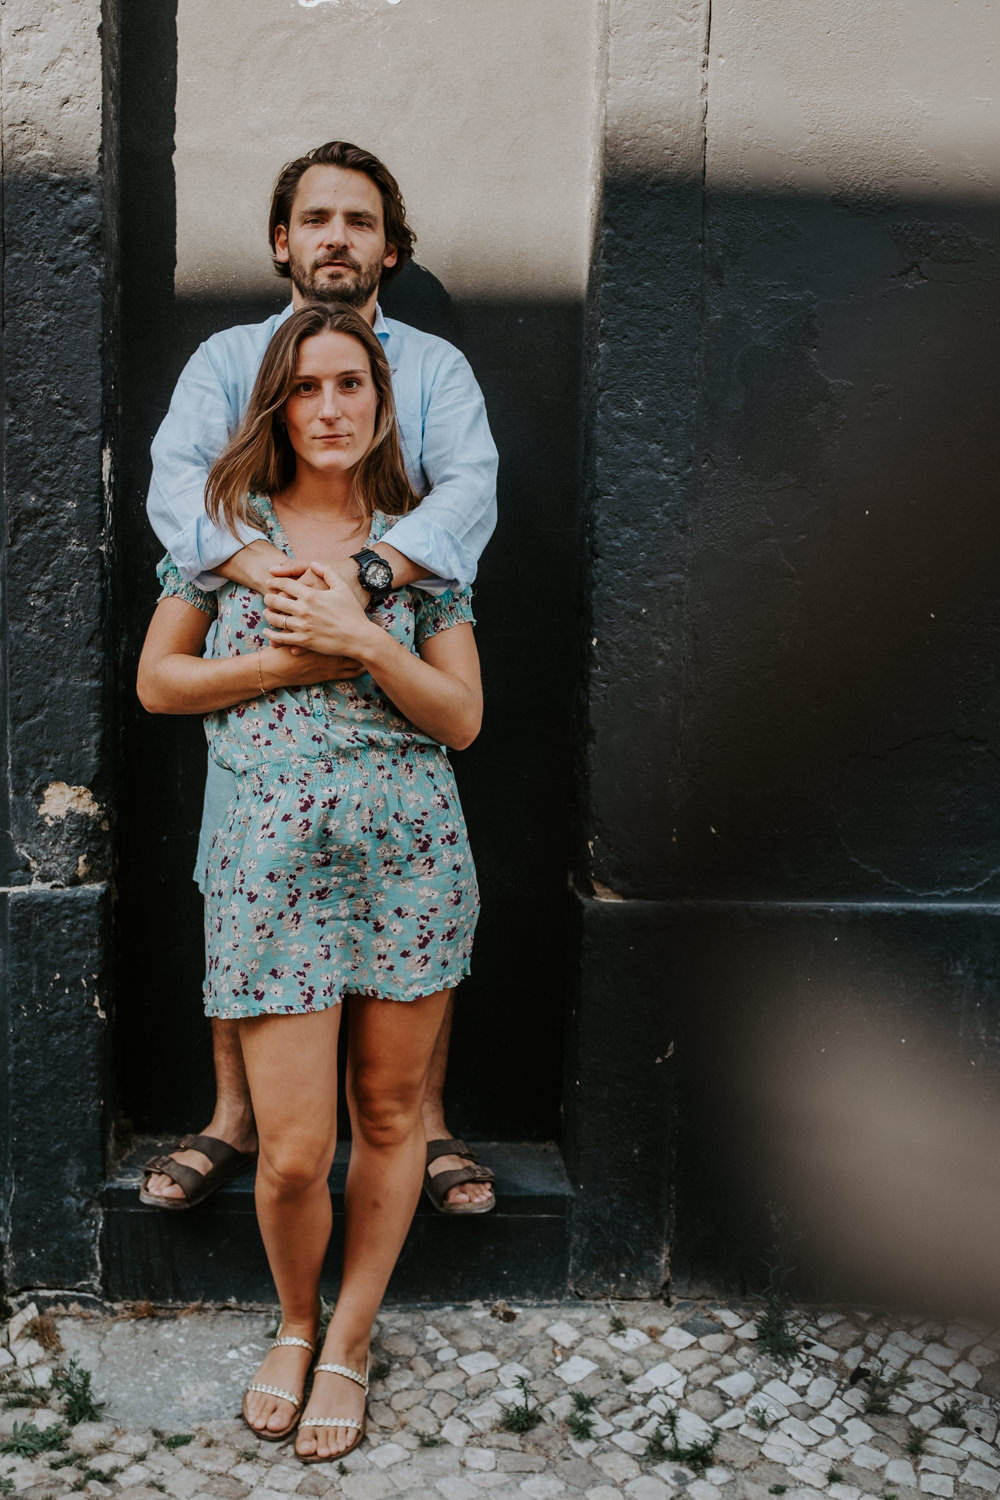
<point x="353" y="159"/>
<point x="260" y="460"/>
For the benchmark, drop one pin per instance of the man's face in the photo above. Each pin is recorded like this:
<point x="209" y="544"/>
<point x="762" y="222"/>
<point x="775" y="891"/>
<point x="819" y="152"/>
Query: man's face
<point x="334" y="244"/>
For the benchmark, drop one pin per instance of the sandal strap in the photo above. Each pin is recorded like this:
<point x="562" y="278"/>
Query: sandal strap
<point x="361" y="1380"/>
<point x="451" y="1147"/>
<point x="332" y="1422"/>
<point x="289" y="1341"/>
<point x="275" y="1390"/>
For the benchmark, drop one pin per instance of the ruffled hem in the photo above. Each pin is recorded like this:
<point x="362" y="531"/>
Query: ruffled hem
<point x="372" y="991"/>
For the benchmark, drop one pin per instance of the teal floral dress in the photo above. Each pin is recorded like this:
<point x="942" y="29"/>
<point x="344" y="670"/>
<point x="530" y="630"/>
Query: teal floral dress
<point x="344" y="865"/>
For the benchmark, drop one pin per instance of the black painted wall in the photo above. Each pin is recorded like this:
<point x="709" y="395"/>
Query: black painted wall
<point x="792" y="683"/>
<point x="59" y="320"/>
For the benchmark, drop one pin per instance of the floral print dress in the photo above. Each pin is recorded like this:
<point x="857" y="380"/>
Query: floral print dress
<point x="344" y="865"/>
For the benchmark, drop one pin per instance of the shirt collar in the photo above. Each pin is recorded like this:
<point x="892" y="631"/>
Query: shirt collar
<point x="380" y="327"/>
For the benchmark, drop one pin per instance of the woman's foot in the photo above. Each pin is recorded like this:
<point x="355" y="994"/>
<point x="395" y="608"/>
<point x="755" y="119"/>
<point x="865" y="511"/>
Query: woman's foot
<point x="285" y="1368"/>
<point x="334" y="1396"/>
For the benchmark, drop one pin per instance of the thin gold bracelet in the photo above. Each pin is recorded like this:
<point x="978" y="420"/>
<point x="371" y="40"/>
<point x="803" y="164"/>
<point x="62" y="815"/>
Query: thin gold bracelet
<point x="260" y="673"/>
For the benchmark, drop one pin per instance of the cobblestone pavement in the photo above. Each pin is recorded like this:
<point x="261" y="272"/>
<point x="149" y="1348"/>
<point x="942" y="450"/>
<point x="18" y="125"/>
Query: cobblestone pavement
<point x="638" y="1400"/>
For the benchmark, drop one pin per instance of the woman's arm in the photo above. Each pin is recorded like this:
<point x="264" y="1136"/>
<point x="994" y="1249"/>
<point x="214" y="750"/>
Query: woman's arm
<point x="174" y="677"/>
<point x="440" y="691"/>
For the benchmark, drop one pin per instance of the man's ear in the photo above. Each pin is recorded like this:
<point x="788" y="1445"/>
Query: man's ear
<point x="390" y="257"/>
<point x="281" y="243"/>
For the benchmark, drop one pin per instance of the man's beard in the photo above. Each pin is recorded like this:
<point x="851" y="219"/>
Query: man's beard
<point x="354" y="286"/>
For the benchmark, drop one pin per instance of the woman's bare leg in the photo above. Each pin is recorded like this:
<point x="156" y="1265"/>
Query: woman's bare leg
<point x="389" y="1054"/>
<point x="291" y="1064"/>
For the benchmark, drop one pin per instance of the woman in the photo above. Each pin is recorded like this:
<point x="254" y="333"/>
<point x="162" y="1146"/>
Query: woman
<point x="344" y="869"/>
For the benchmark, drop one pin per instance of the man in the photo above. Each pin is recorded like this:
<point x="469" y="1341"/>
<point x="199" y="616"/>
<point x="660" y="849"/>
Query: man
<point x="337" y="229"/>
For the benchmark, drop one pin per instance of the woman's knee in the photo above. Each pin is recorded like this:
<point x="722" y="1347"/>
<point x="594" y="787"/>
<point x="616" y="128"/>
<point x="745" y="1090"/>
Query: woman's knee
<point x="385" y="1115"/>
<point x="294" y="1166"/>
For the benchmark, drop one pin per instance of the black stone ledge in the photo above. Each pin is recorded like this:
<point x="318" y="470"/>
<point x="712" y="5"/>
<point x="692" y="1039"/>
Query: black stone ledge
<point x="520" y="1250"/>
<point x="688" y="1015"/>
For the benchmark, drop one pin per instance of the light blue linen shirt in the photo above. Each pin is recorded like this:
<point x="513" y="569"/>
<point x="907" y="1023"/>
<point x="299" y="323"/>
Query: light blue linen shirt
<point x="449" y="452"/>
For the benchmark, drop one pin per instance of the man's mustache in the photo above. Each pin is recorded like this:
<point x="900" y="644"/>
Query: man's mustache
<point x="338" y="260"/>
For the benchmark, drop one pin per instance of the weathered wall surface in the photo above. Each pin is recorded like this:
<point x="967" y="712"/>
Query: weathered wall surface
<point x="751" y="248"/>
<point x="793" y="458"/>
<point x="57" y="769"/>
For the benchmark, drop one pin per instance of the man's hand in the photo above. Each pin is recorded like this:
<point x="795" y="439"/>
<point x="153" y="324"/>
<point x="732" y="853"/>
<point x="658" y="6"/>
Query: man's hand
<point x="252" y="565"/>
<point x="346" y="570"/>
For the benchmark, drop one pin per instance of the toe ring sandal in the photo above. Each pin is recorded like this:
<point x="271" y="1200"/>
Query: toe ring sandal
<point x="438" y="1186"/>
<point x="271" y="1435"/>
<point x="359" y="1427"/>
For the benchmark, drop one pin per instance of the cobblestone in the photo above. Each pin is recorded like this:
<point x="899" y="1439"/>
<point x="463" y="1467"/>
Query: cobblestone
<point x="644" y="1402"/>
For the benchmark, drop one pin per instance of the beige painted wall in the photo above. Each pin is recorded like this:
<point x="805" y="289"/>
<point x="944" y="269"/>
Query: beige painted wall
<point x="485" y="110"/>
<point x="853" y="97"/>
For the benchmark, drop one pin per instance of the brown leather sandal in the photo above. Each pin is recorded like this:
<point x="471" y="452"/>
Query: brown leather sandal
<point x="227" y="1163"/>
<point x="437" y="1187"/>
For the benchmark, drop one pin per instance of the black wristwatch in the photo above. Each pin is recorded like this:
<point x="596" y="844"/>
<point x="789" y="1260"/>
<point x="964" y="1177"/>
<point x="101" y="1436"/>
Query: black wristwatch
<point x="374" y="574"/>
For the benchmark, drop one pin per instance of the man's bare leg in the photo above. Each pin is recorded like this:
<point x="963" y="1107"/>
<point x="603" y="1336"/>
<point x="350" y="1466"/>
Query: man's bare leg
<point x="432" y="1114"/>
<point x="232" y="1120"/>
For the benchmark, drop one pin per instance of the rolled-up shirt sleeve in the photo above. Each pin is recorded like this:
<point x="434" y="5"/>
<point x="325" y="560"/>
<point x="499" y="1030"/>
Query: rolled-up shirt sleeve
<point x="456" y="518"/>
<point x="194" y="432"/>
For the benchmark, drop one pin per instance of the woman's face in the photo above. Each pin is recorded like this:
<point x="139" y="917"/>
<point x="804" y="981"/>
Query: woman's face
<point x="332" y="409"/>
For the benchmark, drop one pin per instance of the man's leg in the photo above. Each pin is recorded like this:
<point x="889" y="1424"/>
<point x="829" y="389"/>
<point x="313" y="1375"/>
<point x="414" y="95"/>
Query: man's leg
<point x="432" y="1114"/>
<point x="232" y="1120"/>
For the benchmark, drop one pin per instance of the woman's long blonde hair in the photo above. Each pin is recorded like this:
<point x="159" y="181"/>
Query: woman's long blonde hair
<point x="259" y="459"/>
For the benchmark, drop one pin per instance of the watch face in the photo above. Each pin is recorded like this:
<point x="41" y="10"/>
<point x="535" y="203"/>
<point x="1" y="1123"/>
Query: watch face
<point x="378" y="575"/>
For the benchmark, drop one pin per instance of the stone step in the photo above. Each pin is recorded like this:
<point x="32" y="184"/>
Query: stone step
<point x="519" y="1250"/>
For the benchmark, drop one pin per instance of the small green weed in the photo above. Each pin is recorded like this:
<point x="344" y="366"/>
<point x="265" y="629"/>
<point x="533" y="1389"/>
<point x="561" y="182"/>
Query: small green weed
<point x="618" y="1323"/>
<point x="761" y="1417"/>
<point x="917" y="1444"/>
<point x="580" y="1426"/>
<point x="889" y="1495"/>
<point x="580" y="1420"/>
<point x="778" y="1489"/>
<point x="157" y="1484"/>
<point x="663" y="1443"/>
<point x="953" y="1413"/>
<point x="775" y="1333"/>
<point x="524" y="1415"/>
<point x="6" y="1486"/>
<point x="428" y="1440"/>
<point x="101" y="1475"/>
<point x="172" y="1440"/>
<point x="63" y="1461"/>
<point x="74" y="1384"/>
<point x="27" y="1440"/>
<point x="880" y="1387"/>
<point x="341" y="1468"/>
<point x="247" y="1454"/>
<point x="625" y="1377"/>
<point x="380" y="1369"/>
<point x="834" y="1477"/>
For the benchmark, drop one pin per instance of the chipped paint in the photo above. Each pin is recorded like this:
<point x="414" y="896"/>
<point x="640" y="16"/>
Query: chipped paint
<point x="60" y="800"/>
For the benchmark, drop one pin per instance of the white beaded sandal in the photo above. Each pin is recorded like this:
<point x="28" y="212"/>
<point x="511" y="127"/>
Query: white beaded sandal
<point x="270" y="1434"/>
<point x="362" y="1381"/>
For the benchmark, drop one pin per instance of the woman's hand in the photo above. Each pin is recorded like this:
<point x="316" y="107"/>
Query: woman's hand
<point x="281" y="667"/>
<point x="326" y="619"/>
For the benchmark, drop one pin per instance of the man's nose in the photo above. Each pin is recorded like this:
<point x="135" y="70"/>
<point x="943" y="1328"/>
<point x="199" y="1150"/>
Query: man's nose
<point x="335" y="232"/>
